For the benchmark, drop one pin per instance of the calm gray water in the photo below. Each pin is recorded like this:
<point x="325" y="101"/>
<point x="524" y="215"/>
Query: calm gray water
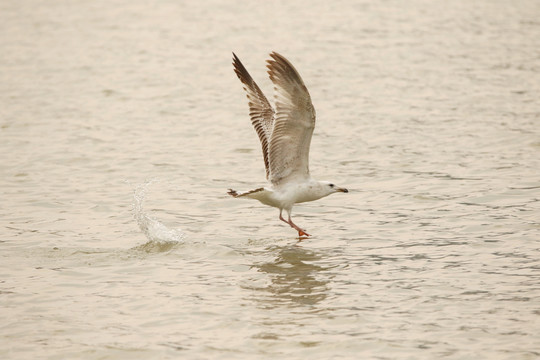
<point x="122" y="125"/>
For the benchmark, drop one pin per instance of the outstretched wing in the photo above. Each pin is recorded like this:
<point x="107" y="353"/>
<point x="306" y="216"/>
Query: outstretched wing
<point x="293" y="125"/>
<point x="260" y="110"/>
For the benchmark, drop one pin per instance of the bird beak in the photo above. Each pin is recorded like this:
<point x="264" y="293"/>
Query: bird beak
<point x="342" y="190"/>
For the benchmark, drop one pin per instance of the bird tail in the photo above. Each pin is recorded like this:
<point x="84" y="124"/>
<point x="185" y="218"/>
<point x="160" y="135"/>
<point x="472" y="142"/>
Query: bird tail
<point x="235" y="194"/>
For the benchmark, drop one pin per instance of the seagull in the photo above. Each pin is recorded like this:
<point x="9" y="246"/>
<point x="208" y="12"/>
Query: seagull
<point x="285" y="134"/>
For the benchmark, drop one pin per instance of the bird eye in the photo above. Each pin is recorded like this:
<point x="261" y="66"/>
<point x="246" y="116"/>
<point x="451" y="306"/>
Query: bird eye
<point x="331" y="185"/>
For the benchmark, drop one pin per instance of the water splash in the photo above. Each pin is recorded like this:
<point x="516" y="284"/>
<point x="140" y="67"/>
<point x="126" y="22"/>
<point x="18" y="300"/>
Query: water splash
<point x="161" y="238"/>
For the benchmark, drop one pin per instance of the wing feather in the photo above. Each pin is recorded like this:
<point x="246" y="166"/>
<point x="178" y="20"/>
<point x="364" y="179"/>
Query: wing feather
<point x="294" y="122"/>
<point x="260" y="110"/>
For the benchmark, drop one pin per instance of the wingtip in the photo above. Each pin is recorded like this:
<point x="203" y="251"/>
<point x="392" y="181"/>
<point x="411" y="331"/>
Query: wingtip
<point x="276" y="62"/>
<point x="276" y="56"/>
<point x="239" y="69"/>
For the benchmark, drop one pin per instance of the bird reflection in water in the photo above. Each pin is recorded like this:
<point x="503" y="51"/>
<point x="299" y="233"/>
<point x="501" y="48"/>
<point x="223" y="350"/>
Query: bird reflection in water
<point x="294" y="279"/>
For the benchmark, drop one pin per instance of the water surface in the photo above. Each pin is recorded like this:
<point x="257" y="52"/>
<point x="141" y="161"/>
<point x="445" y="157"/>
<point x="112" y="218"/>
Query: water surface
<point x="122" y="125"/>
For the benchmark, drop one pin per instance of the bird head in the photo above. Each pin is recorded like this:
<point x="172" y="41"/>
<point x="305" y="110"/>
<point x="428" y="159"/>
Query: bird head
<point x="331" y="188"/>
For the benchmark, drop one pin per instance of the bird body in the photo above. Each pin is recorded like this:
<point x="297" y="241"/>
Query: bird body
<point x="285" y="135"/>
<point x="293" y="193"/>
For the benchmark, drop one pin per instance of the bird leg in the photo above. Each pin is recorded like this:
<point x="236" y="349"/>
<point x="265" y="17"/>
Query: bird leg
<point x="281" y="217"/>
<point x="293" y="225"/>
<point x="300" y="231"/>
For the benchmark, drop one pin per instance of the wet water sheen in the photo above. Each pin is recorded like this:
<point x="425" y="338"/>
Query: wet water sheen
<point x="122" y="125"/>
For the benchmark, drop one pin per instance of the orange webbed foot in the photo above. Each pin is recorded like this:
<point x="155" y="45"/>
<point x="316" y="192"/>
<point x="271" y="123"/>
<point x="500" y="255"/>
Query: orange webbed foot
<point x="302" y="233"/>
